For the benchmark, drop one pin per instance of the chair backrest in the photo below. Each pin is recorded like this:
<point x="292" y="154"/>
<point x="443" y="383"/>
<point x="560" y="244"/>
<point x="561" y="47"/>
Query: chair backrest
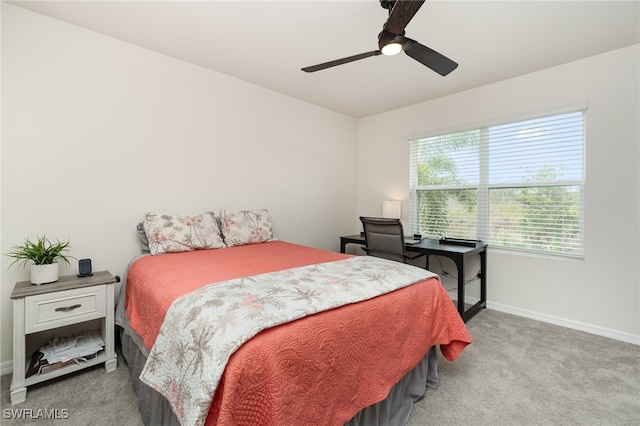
<point x="384" y="238"/>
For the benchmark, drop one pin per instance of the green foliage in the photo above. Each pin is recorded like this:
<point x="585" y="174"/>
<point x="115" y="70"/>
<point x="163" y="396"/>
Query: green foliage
<point x="551" y="216"/>
<point x="437" y="168"/>
<point x="42" y="252"/>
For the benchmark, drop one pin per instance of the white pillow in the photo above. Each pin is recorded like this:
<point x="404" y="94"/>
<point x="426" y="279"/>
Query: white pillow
<point x="246" y="227"/>
<point x="182" y="232"/>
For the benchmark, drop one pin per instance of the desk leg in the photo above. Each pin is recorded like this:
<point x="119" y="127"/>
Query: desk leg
<point x="343" y="246"/>
<point x="460" y="265"/>
<point x="482" y="303"/>
<point x="483" y="278"/>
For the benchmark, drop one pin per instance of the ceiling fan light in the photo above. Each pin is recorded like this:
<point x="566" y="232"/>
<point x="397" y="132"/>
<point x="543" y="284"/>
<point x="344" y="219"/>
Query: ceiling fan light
<point x="391" y="49"/>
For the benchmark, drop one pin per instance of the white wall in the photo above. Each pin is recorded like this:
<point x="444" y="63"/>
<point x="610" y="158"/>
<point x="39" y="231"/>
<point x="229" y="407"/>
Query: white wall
<point x="96" y="132"/>
<point x="600" y="294"/>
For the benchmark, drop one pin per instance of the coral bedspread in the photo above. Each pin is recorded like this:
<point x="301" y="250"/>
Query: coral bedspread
<point x="321" y="369"/>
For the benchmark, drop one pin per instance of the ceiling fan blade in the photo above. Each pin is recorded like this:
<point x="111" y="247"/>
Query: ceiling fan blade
<point x="428" y="57"/>
<point x="403" y="11"/>
<point x="346" y="60"/>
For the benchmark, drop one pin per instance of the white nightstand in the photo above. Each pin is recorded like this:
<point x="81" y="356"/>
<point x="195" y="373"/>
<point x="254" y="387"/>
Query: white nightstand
<point x="67" y="306"/>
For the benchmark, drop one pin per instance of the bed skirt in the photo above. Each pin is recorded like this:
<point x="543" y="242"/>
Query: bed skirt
<point x="394" y="410"/>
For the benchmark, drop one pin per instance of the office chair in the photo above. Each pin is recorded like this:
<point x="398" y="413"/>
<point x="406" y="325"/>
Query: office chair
<point x="385" y="238"/>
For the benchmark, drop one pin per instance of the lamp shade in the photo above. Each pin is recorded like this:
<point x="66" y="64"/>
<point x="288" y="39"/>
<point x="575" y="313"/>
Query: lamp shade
<point x="392" y="209"/>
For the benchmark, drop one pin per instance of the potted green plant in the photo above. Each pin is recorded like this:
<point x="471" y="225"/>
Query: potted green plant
<point x="45" y="256"/>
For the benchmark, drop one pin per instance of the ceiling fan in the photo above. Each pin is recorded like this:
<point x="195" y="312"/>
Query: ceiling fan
<point x="392" y="40"/>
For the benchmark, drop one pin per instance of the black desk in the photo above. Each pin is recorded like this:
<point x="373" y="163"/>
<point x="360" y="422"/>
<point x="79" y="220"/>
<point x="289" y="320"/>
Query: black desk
<point x="456" y="253"/>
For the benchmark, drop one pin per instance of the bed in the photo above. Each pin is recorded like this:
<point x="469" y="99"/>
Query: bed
<point x="361" y="362"/>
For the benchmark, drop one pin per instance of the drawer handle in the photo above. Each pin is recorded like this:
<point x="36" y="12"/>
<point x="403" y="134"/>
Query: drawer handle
<point x="68" y="308"/>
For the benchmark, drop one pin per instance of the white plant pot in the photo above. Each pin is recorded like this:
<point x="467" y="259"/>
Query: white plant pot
<point x="44" y="274"/>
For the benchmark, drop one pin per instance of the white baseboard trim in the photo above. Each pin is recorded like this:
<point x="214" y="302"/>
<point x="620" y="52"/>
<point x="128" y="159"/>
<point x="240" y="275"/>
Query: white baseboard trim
<point x="6" y="367"/>
<point x="563" y="322"/>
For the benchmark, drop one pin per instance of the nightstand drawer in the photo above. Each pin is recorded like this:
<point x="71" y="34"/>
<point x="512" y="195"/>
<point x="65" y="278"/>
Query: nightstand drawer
<point x="50" y="310"/>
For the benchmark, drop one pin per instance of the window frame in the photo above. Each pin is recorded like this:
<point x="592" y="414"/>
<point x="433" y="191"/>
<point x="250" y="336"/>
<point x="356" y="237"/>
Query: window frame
<point x="483" y="187"/>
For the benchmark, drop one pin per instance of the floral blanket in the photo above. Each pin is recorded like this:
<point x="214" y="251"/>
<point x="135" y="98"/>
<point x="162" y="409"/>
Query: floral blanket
<point x="203" y="328"/>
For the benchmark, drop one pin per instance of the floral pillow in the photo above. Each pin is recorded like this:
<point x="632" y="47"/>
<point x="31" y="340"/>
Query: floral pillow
<point x="144" y="241"/>
<point x="179" y="233"/>
<point x="246" y="227"/>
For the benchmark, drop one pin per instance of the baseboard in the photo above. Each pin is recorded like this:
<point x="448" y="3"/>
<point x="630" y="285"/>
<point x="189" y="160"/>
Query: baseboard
<point x="6" y="367"/>
<point x="563" y="322"/>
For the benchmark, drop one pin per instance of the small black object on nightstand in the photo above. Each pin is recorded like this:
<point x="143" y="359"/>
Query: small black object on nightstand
<point x="84" y="268"/>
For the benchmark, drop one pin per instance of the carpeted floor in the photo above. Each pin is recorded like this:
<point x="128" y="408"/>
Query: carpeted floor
<point x="524" y="372"/>
<point x="517" y="372"/>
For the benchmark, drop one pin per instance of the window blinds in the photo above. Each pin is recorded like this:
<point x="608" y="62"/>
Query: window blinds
<point x="516" y="185"/>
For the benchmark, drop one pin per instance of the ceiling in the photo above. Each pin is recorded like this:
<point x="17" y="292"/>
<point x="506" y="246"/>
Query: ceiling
<point x="267" y="42"/>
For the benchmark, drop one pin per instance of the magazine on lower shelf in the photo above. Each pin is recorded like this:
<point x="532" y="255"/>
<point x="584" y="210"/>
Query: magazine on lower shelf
<point x="48" y="368"/>
<point x="60" y="352"/>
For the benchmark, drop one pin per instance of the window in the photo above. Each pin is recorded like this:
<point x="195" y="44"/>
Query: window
<point x="516" y="185"/>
